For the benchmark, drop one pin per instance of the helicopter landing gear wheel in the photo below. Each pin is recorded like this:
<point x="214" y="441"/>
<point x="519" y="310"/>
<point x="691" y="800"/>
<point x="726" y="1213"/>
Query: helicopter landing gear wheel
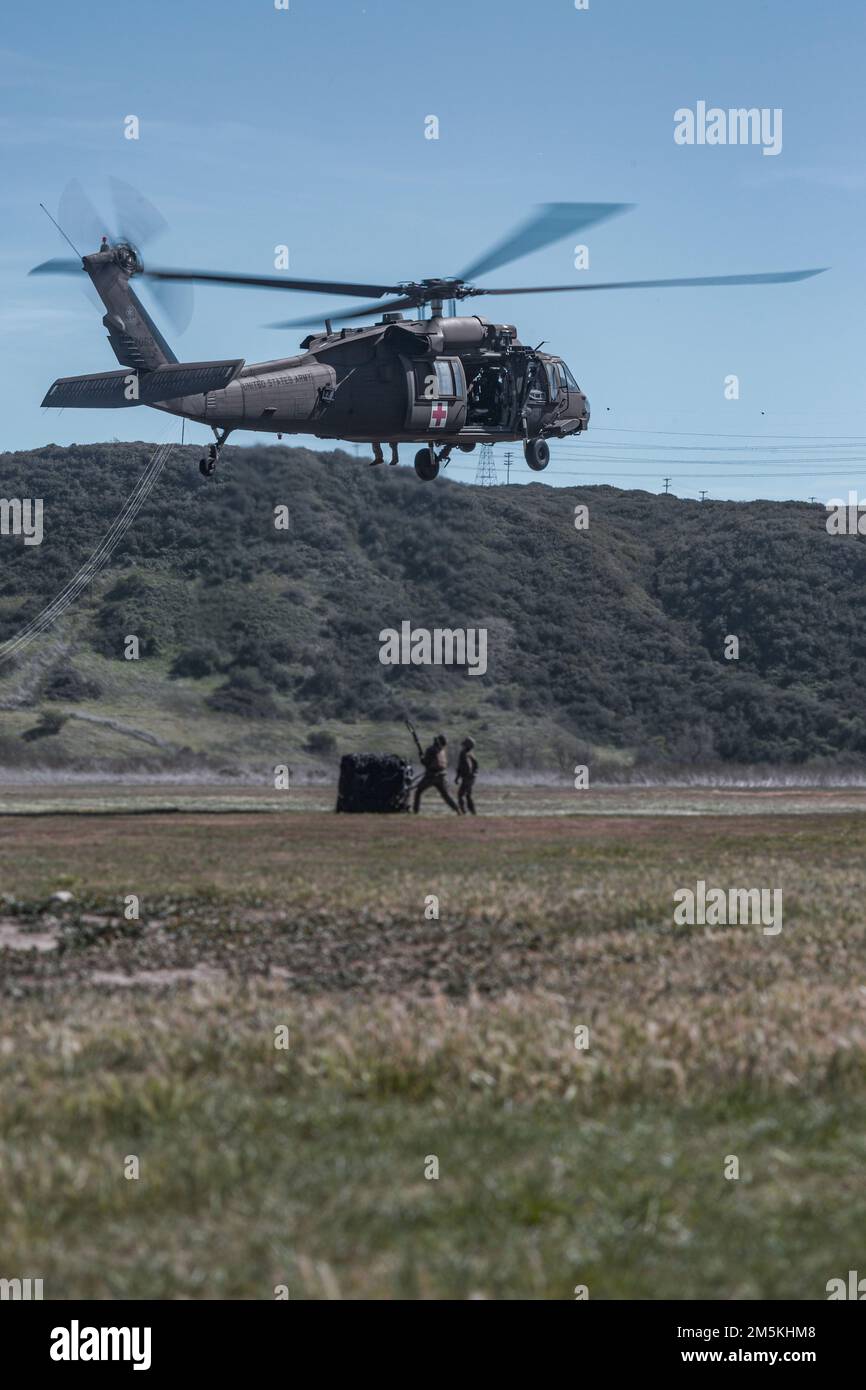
<point x="426" y="465"/>
<point x="207" y="465"/>
<point x="537" y="454"/>
<point x="466" y="448"/>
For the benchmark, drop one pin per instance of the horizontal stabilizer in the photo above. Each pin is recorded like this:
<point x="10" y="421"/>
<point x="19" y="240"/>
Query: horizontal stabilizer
<point x="112" y="390"/>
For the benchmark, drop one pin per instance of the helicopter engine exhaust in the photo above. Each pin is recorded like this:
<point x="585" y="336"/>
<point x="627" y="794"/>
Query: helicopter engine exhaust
<point x="446" y="335"/>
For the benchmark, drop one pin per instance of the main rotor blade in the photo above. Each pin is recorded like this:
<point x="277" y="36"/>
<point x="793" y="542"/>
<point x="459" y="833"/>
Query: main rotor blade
<point x="136" y="220"/>
<point x="777" y="277"/>
<point x="270" y="282"/>
<point x="341" y="315"/>
<point x="57" y="267"/>
<point x="551" y="222"/>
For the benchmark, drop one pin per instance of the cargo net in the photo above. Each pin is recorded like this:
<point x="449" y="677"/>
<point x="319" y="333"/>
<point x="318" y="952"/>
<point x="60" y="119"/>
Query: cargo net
<point x="374" y="782"/>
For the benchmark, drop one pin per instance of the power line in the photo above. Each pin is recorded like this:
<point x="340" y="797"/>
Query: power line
<point x="730" y="466"/>
<point x="769" y="448"/>
<point x="703" y="434"/>
<point x="679" y="477"/>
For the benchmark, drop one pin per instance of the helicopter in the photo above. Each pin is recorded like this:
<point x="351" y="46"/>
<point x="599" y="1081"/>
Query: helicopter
<point x="447" y="381"/>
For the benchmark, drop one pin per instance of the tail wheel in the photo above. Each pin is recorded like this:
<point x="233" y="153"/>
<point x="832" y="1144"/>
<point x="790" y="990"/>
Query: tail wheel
<point x="537" y="453"/>
<point x="426" y="466"/>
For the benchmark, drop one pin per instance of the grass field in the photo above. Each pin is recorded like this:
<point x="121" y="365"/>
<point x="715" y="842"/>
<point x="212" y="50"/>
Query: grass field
<point x="411" y="1037"/>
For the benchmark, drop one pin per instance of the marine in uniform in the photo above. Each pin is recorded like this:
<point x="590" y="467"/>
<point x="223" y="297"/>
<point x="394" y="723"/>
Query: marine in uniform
<point x="467" y="769"/>
<point x="435" y="769"/>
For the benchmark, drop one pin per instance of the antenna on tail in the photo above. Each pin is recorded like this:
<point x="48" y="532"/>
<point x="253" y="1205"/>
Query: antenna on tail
<point x="61" y="231"/>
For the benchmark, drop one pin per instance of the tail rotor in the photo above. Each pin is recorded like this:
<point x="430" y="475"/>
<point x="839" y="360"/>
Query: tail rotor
<point x="135" y="224"/>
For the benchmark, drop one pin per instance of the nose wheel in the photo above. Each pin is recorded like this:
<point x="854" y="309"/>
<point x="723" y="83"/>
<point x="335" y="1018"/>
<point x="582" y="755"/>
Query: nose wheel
<point x="207" y="465"/>
<point x="426" y="464"/>
<point x="427" y="461"/>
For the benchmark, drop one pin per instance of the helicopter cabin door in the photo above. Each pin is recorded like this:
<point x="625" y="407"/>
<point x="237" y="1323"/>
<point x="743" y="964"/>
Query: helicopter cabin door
<point x="437" y="397"/>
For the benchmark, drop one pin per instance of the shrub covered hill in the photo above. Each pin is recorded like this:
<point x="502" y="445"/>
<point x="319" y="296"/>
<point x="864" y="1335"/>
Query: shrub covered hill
<point x="261" y="644"/>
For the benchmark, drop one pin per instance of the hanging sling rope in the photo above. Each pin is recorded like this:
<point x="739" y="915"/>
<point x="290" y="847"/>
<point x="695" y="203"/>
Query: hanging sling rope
<point x="100" y="556"/>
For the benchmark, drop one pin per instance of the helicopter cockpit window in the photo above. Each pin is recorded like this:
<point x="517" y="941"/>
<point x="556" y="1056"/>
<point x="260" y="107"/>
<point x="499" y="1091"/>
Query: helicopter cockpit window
<point x="553" y="380"/>
<point x="569" y="379"/>
<point x="537" y="384"/>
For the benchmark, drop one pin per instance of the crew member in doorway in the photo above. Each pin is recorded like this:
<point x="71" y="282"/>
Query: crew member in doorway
<point x="379" y="457"/>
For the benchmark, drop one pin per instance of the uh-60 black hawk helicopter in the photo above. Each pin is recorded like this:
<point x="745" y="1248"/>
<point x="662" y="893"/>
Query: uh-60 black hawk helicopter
<point x="448" y="381"/>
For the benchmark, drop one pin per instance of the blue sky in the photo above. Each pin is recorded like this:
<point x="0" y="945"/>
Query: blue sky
<point x="306" y="127"/>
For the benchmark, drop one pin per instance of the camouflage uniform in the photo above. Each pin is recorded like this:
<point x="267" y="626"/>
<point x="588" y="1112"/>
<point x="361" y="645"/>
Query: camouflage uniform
<point x="467" y="769"/>
<point x="435" y="767"/>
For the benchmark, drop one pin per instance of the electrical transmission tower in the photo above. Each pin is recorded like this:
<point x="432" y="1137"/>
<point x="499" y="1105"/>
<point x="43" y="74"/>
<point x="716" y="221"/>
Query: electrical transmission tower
<point x="485" y="473"/>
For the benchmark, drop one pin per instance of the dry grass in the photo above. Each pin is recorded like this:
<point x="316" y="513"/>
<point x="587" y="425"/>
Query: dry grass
<point x="411" y="1037"/>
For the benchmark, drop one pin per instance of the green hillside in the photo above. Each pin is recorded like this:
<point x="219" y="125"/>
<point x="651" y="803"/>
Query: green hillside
<point x="260" y="645"/>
